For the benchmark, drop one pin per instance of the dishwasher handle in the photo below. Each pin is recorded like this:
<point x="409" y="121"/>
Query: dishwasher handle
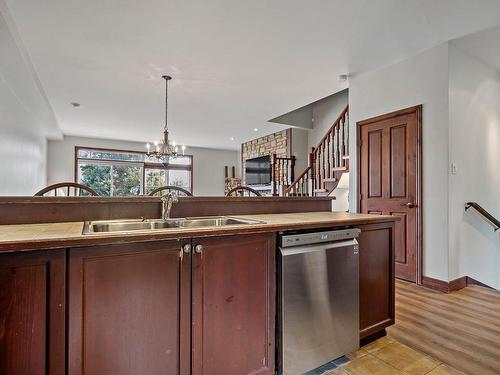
<point x="320" y="247"/>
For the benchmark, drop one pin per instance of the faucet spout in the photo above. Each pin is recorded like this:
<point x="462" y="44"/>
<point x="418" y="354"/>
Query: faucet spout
<point x="167" y="201"/>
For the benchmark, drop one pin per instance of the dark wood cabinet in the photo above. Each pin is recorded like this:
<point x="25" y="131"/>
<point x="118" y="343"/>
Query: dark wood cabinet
<point x="126" y="309"/>
<point x="32" y="311"/>
<point x="134" y="308"/>
<point x="376" y="278"/>
<point x="233" y="305"/>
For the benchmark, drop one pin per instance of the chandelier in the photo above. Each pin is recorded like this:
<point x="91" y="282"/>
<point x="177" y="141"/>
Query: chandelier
<point x="164" y="150"/>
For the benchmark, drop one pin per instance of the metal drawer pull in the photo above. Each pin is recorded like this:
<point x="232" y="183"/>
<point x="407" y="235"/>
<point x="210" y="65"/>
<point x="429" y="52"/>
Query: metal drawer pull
<point x="187" y="248"/>
<point x="198" y="249"/>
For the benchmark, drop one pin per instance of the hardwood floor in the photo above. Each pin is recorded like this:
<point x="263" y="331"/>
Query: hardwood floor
<point x="461" y="329"/>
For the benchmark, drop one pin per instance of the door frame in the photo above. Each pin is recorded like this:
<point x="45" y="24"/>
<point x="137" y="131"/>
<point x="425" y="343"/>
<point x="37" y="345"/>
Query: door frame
<point x="417" y="110"/>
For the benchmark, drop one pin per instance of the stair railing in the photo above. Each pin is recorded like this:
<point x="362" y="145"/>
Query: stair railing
<point x="300" y="187"/>
<point x="326" y="159"/>
<point x="283" y="173"/>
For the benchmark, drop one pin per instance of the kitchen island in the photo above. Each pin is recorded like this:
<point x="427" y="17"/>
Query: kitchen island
<point x="169" y="301"/>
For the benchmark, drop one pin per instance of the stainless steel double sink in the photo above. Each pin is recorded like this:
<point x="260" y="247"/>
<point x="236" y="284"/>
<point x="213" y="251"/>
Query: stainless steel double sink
<point x="155" y="224"/>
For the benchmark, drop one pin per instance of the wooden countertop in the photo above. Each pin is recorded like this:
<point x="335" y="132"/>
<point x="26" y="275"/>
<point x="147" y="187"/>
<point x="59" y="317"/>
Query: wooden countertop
<point x="24" y="237"/>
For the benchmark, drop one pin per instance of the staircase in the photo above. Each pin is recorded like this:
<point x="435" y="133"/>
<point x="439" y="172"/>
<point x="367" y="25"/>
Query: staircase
<point x="327" y="162"/>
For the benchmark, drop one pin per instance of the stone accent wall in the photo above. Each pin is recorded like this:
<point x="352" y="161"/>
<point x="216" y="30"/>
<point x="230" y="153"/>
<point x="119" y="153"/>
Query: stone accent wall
<point x="276" y="143"/>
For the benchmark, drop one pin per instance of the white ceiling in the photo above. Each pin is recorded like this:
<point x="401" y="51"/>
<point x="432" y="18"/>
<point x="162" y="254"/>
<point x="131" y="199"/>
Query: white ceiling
<point x="236" y="64"/>
<point x="484" y="45"/>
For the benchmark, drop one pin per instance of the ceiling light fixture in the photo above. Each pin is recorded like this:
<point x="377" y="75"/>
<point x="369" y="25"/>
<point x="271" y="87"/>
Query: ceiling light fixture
<point x="343" y="77"/>
<point x="255" y="129"/>
<point x="164" y="150"/>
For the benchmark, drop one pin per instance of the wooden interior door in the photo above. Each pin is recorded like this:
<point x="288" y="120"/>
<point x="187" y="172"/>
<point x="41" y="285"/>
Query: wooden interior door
<point x="390" y="170"/>
<point x="233" y="305"/>
<point x="126" y="311"/>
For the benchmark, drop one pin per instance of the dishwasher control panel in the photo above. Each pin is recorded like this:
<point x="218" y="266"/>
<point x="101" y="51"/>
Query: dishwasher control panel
<point x="319" y="237"/>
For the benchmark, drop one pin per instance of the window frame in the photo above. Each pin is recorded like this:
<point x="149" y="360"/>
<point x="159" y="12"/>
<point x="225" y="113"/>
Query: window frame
<point x="144" y="164"/>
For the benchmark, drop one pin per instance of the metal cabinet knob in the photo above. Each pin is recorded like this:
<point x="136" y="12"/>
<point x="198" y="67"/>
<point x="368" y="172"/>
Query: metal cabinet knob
<point x="409" y="205"/>
<point x="198" y="249"/>
<point x="187" y="248"/>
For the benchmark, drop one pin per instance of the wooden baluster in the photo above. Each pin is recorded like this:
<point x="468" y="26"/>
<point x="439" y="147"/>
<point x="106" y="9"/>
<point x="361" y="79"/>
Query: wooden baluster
<point x="311" y="167"/>
<point x="283" y="172"/>
<point x="332" y="137"/>
<point x="346" y="119"/>
<point x="327" y="156"/>
<point x="340" y="142"/>
<point x="322" y="164"/>
<point x="318" y="175"/>
<point x="337" y="146"/>
<point x="325" y="152"/>
<point x="283" y="166"/>
<point x="334" y="148"/>
<point x="343" y="140"/>
<point x="318" y="166"/>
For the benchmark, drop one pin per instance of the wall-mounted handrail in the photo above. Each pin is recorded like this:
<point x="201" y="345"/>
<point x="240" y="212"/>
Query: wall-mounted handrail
<point x="485" y="214"/>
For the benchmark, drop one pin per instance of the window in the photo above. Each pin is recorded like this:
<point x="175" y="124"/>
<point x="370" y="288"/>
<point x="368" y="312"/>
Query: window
<point x="115" y="173"/>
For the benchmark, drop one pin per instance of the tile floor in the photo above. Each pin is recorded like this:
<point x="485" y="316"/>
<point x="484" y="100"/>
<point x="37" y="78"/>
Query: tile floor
<point x="386" y="356"/>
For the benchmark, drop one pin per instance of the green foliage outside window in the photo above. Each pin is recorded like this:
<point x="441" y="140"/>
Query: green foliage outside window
<point x="126" y="180"/>
<point x="97" y="177"/>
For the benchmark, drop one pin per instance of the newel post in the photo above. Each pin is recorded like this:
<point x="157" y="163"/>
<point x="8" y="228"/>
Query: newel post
<point x="312" y="164"/>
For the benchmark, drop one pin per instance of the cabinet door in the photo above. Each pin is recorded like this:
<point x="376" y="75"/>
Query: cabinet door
<point x="125" y="313"/>
<point x="233" y="305"/>
<point x="32" y="304"/>
<point x="376" y="278"/>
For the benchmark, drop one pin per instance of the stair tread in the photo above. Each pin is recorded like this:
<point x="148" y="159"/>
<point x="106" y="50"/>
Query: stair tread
<point x="320" y="190"/>
<point x="339" y="169"/>
<point x="333" y="179"/>
<point x="345" y="157"/>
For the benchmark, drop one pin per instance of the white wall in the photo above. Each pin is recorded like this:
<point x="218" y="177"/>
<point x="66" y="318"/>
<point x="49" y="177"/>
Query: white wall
<point x="325" y="112"/>
<point x="474" y="95"/>
<point x="300" y="150"/>
<point x="22" y="149"/>
<point x="422" y="79"/>
<point x="208" y="171"/>
<point x="26" y="118"/>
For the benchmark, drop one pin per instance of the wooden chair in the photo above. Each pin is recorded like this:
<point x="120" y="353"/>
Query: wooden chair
<point x="66" y="189"/>
<point x="170" y="189"/>
<point x="242" y="191"/>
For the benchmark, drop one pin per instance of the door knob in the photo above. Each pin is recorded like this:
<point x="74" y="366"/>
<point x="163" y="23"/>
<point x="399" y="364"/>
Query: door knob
<point x="187" y="248"/>
<point x="198" y="249"/>
<point x="409" y="205"/>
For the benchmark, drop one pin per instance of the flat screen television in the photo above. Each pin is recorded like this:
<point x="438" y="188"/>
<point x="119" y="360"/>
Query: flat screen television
<point x="258" y="171"/>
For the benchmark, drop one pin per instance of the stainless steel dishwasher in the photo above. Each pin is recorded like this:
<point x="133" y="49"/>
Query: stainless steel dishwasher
<point x="318" y="308"/>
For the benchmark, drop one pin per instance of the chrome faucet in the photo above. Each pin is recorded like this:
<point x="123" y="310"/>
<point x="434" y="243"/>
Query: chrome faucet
<point x="167" y="201"/>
